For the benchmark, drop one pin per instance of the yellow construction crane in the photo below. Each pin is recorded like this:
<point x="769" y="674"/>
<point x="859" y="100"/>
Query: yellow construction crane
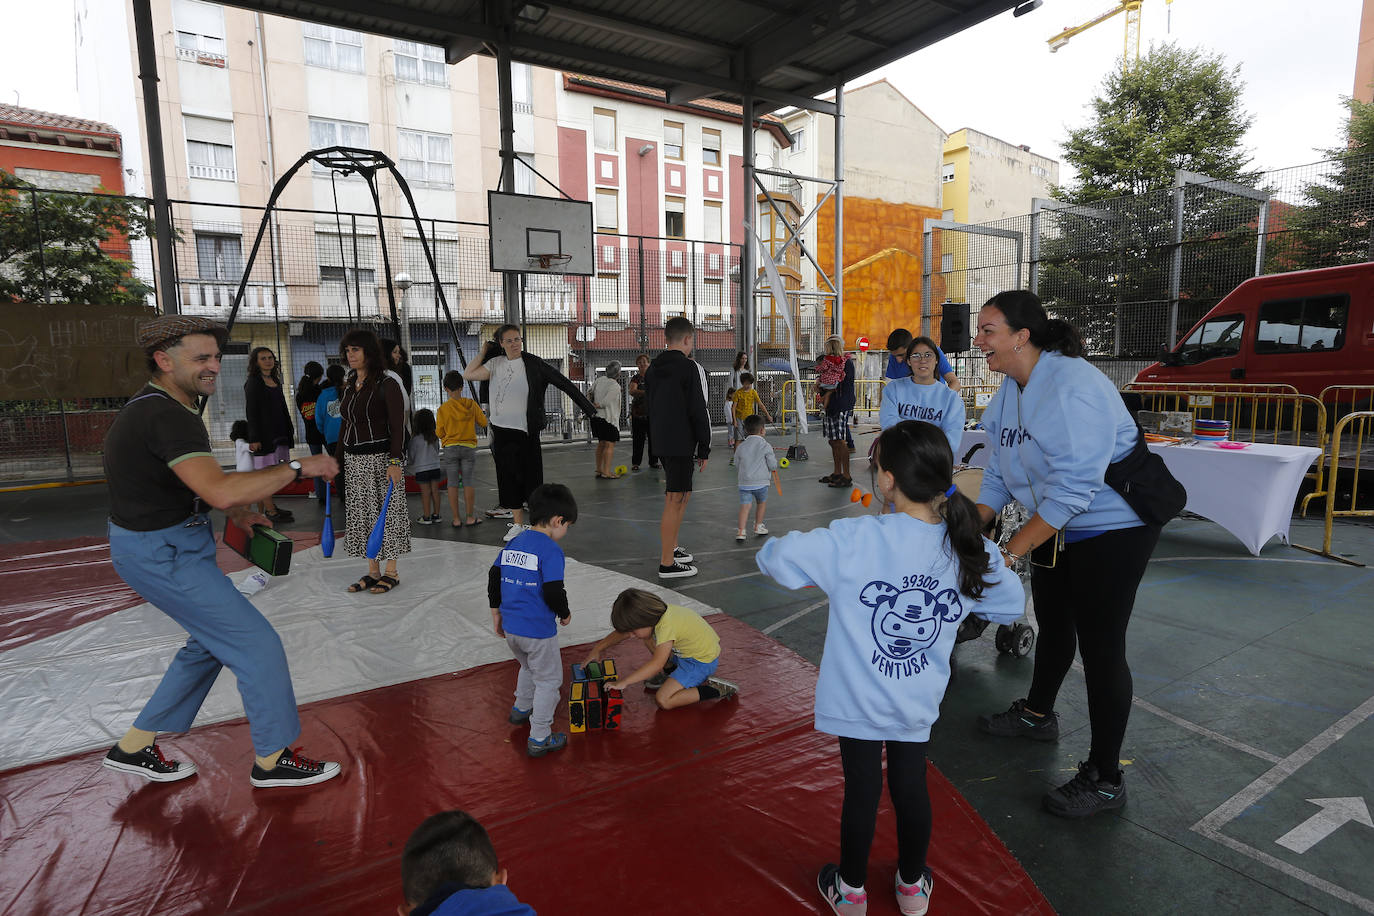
<point x="1131" y="51"/>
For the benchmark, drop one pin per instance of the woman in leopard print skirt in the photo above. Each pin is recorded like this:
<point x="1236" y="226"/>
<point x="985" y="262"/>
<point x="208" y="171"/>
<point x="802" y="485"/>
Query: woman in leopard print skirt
<point x="372" y="454"/>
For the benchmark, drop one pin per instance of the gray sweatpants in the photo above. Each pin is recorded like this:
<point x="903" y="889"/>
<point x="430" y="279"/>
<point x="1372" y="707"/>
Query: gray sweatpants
<point x="541" y="677"/>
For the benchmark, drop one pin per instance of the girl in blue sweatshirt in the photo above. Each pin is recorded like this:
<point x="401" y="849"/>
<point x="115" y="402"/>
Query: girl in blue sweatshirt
<point x="1054" y="426"/>
<point x="920" y="397"/>
<point x="898" y="585"/>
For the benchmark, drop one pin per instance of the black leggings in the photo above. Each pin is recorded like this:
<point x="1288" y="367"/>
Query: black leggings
<point x="1085" y="602"/>
<point x="519" y="465"/>
<point x="863" y="789"/>
<point x="639" y="430"/>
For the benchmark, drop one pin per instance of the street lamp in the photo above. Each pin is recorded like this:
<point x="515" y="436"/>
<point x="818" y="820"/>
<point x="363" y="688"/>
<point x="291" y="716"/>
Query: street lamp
<point x="403" y="283"/>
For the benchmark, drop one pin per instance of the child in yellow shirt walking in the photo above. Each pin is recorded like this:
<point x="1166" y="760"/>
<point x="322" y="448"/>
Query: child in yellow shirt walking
<point x="456" y="426"/>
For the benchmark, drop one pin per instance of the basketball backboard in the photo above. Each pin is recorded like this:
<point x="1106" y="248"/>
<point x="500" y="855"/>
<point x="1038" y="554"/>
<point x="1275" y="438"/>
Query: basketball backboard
<point x="530" y="234"/>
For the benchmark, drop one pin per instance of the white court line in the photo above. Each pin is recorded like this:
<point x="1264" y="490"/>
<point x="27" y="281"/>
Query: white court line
<point x="791" y="617"/>
<point x="1210" y="826"/>
<point x="747" y="575"/>
<point x="1205" y="732"/>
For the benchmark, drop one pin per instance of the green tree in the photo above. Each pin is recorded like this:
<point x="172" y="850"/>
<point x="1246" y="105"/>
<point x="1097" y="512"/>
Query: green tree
<point x="70" y="264"/>
<point x="1336" y="223"/>
<point x="1174" y="109"/>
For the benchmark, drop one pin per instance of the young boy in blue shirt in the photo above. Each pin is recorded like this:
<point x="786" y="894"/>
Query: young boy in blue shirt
<point x="525" y="590"/>
<point x="449" y="868"/>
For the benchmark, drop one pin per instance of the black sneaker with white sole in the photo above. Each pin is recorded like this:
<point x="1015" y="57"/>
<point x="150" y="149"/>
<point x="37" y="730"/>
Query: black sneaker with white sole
<point x="682" y="556"/>
<point x="148" y="763"/>
<point x="294" y="769"/>
<point x="676" y="571"/>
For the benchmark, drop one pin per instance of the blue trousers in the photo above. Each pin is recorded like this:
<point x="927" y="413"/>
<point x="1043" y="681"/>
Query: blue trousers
<point x="174" y="570"/>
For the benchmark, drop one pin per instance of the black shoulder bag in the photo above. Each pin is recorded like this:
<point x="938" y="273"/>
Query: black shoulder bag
<point x="1145" y="483"/>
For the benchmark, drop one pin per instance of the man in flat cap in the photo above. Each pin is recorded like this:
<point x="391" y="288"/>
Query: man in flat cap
<point x="163" y="480"/>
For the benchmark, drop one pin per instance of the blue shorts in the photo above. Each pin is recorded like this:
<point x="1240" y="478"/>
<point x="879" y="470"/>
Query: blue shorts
<point x="749" y="495"/>
<point x="692" y="673"/>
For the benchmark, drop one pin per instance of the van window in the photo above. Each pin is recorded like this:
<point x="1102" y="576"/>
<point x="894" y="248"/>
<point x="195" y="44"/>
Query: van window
<point x="1312" y="325"/>
<point x="1215" y="337"/>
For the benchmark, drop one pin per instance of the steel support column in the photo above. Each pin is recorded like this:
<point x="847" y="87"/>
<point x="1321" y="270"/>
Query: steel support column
<point x="157" y="164"/>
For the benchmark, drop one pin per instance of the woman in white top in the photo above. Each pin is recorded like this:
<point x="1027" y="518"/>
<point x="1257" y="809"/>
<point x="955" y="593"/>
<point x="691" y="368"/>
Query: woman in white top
<point x="605" y="394"/>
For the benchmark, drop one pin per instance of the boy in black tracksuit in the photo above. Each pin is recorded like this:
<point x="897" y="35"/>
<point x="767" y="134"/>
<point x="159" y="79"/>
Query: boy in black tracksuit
<point x="680" y="430"/>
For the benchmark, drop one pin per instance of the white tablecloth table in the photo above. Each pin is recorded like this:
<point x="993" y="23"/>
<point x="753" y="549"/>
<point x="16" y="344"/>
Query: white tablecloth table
<point x="1250" y="492"/>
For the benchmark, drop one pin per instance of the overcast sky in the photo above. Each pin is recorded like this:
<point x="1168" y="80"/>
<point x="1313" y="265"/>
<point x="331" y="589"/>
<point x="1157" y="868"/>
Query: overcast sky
<point x="1297" y="58"/>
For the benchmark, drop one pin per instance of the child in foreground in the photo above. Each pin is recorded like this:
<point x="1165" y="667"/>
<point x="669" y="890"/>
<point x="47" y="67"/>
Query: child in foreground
<point x="684" y="650"/>
<point x="898" y="585"/>
<point x="449" y="868"/>
<point x="525" y="589"/>
<point x="757" y="464"/>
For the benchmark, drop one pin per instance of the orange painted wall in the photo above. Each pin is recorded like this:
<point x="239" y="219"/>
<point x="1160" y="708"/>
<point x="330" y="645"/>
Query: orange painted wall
<point x="883" y="292"/>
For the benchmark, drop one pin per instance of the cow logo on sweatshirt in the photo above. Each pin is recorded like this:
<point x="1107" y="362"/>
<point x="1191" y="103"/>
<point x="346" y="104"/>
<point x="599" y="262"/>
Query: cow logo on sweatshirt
<point x="907" y="621"/>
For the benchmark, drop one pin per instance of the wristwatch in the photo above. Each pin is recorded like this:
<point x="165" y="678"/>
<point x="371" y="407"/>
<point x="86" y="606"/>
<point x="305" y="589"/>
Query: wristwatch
<point x="295" y="465"/>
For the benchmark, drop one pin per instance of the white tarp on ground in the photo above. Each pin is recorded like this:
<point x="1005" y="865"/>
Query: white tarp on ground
<point x="81" y="689"/>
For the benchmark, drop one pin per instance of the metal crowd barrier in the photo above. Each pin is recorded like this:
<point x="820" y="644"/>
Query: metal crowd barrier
<point x="868" y="395"/>
<point x="1360" y="422"/>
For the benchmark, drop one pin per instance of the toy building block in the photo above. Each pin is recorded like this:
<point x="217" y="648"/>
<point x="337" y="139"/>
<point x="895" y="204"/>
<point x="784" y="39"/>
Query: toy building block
<point x="608" y="669"/>
<point x="577" y="707"/>
<point x="614" y="704"/>
<point x="578" y="672"/>
<point x="595" y="708"/>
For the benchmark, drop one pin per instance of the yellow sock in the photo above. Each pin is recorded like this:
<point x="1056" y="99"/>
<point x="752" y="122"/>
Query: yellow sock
<point x="270" y="760"/>
<point x="135" y="740"/>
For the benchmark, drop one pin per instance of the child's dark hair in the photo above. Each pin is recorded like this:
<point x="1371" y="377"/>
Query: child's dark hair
<point x="449" y="847"/>
<point x="918" y="340"/>
<point x="746" y="378"/>
<point x="550" y="500"/>
<point x="635" y="608"/>
<point x="453" y="380"/>
<point x="918" y="457"/>
<point x="422" y="423"/>
<point x="239" y="430"/>
<point x="730" y="393"/>
<point x="898" y="340"/>
<point x="753" y="424"/>
<point x="1022" y="309"/>
<point x="334" y="375"/>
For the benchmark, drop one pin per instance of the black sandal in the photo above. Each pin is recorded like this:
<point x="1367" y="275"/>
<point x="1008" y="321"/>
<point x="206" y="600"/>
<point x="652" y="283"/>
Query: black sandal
<point x="827" y="479"/>
<point x="384" y="584"/>
<point x="838" y="482"/>
<point x="362" y="585"/>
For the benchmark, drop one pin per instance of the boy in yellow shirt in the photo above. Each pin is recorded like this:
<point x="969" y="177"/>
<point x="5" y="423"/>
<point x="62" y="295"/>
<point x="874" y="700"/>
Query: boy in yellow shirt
<point x="747" y="403"/>
<point x="456" y="425"/>
<point x="685" y="651"/>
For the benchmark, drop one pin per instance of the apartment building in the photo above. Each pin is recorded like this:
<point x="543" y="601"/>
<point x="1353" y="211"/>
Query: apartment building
<point x="60" y="152"/>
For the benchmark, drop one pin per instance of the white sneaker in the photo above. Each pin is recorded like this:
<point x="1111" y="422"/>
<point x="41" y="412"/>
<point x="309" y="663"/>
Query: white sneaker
<point x="514" y="531"/>
<point x="739" y="535"/>
<point x="760" y="530"/>
<point x="312" y="495"/>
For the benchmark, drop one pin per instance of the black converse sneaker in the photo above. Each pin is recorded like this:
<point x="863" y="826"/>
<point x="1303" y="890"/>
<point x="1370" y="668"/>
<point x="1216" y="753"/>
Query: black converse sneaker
<point x="1017" y="721"/>
<point x="294" y="769"/>
<point x="678" y="570"/>
<point x="1087" y="793"/>
<point x="682" y="556"/>
<point x="148" y="763"/>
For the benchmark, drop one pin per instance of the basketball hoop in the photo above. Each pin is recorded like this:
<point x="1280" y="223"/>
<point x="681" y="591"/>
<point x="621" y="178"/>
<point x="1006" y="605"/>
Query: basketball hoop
<point x="550" y="263"/>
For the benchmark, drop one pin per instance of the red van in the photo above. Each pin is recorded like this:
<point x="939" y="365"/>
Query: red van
<point x="1308" y="329"/>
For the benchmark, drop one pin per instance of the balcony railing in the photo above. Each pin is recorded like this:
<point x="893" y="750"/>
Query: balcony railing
<point x="213" y="172"/>
<point x="214" y="298"/>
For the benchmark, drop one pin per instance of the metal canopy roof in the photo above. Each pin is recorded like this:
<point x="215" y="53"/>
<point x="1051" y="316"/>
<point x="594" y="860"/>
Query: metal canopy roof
<point x="782" y="52"/>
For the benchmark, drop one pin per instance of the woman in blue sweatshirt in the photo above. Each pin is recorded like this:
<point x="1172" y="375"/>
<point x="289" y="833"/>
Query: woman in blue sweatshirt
<point x="920" y="397"/>
<point x="1054" y="426"/>
<point x="898" y="585"/>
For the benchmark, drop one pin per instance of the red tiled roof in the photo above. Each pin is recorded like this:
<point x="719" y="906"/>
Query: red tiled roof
<point x="658" y="95"/>
<point x="28" y="117"/>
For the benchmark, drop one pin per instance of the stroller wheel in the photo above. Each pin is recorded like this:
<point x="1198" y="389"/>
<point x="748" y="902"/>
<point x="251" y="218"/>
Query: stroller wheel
<point x="1016" y="640"/>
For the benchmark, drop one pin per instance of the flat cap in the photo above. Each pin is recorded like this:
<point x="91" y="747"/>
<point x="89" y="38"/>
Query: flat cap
<point x="159" y="333"/>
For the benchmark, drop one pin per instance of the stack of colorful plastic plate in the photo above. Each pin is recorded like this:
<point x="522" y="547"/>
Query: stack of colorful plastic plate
<point x="1212" y="430"/>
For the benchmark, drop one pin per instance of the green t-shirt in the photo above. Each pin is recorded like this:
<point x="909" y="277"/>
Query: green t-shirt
<point x="691" y="636"/>
<point x="152" y="434"/>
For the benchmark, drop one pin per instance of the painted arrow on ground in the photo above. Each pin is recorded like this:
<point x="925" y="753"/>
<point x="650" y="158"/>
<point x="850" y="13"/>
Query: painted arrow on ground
<point x="1334" y="812"/>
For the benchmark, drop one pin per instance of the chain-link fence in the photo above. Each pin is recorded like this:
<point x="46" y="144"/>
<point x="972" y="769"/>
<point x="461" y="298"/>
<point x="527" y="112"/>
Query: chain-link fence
<point x="1134" y="273"/>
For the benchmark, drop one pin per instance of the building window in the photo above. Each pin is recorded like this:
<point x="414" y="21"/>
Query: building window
<point x="603" y="128"/>
<point x="425" y="157"/>
<point x="325" y="133"/>
<point x="346" y="291"/>
<point x="710" y="146"/>
<point x="524" y="173"/>
<point x="1039" y="171"/>
<point x="200" y="31"/>
<point x="711" y="222"/>
<point x="417" y="63"/>
<point x="946" y="263"/>
<point x="798" y="141"/>
<point x="947" y="173"/>
<point x="607" y="211"/>
<point x="674" y="217"/>
<point x="674" y="296"/>
<point x="210" y="148"/>
<point x="331" y="48"/>
<point x="219" y="257"/>
<point x="672" y="140"/>
<point x="713" y="298"/>
<point x="606" y="296"/>
<point x="522" y="88"/>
